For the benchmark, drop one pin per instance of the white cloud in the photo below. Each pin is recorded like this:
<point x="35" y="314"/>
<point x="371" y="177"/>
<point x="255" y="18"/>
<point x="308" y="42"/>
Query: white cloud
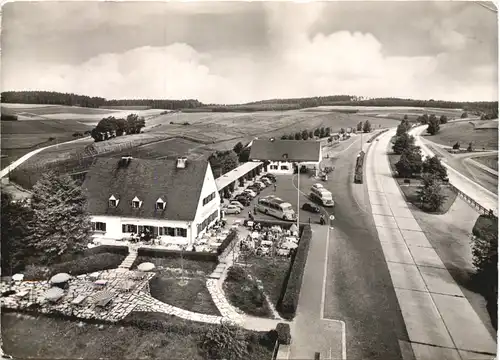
<point x="338" y="63"/>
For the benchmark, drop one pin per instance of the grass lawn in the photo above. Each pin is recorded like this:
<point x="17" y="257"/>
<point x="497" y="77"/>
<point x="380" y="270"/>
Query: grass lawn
<point x="464" y="133"/>
<point x="489" y="161"/>
<point x="193" y="296"/>
<point x="43" y="337"/>
<point x="271" y="272"/>
<point x="190" y="265"/>
<point x="410" y="190"/>
<point x="244" y="293"/>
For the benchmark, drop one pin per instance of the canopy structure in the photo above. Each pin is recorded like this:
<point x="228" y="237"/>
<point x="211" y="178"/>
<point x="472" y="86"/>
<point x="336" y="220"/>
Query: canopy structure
<point x="18" y="277"/>
<point x="54" y="294"/>
<point x="60" y="278"/>
<point x="147" y="266"/>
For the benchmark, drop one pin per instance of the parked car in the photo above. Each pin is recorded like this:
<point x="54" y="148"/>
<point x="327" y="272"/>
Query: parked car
<point x="311" y="208"/>
<point x="250" y="192"/>
<point x="266" y="181"/>
<point x="254" y="188"/>
<point x="244" y="200"/>
<point x="260" y="184"/>
<point x="270" y="177"/>
<point x="263" y="250"/>
<point x="238" y="204"/>
<point x="231" y="209"/>
<point x="283" y="252"/>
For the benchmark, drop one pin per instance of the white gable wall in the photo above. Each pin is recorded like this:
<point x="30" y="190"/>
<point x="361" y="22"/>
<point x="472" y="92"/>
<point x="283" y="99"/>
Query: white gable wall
<point x="204" y="211"/>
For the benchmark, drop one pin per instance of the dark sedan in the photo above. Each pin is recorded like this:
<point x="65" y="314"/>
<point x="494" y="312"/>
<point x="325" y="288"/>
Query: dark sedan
<point x="311" y="208"/>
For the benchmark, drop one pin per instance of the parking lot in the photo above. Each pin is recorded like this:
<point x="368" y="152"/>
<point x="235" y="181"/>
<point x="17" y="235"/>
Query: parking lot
<point x="286" y="190"/>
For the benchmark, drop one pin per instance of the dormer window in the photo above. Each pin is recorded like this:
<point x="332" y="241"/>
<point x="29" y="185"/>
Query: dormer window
<point x="160" y="204"/>
<point x="113" y="202"/>
<point x="136" y="203"/>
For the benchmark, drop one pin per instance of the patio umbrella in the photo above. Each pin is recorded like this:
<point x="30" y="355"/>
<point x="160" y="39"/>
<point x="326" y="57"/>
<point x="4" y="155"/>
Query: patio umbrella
<point x="293" y="228"/>
<point x="18" y="277"/>
<point x="255" y="235"/>
<point x="60" y="278"/>
<point x="54" y="294"/>
<point x="147" y="266"/>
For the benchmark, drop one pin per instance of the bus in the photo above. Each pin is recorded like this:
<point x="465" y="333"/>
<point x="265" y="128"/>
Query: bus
<point x="274" y="206"/>
<point x="321" y="196"/>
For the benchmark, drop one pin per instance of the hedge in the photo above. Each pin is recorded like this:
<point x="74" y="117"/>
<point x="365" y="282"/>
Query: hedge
<point x="230" y="237"/>
<point x="287" y="304"/>
<point x="284" y="336"/>
<point x="284" y="224"/>
<point x="191" y="255"/>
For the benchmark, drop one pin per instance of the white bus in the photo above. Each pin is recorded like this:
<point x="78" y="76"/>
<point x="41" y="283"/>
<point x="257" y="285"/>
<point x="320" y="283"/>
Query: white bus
<point x="274" y="206"/>
<point x="321" y="196"/>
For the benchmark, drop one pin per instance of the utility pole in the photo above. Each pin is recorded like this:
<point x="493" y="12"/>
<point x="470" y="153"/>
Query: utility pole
<point x="298" y="196"/>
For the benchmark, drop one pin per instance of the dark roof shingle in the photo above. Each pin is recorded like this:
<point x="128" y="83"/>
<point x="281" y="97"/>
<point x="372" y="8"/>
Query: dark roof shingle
<point x="148" y="180"/>
<point x="295" y="150"/>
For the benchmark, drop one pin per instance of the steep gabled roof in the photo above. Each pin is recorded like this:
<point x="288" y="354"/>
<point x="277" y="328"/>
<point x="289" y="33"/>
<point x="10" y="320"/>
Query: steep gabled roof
<point x="147" y="180"/>
<point x="295" y="150"/>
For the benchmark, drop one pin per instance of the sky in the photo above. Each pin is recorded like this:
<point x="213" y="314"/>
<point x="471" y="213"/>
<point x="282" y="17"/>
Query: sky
<point x="237" y="52"/>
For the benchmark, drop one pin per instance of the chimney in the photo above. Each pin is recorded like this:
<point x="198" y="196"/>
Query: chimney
<point x="181" y="162"/>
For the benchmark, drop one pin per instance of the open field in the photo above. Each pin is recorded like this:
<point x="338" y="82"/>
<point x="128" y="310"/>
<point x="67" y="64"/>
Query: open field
<point x="51" y="338"/>
<point x="485" y="124"/>
<point x="489" y="161"/>
<point x="464" y="133"/>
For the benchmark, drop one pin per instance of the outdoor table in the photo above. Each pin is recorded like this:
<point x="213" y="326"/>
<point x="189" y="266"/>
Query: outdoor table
<point x="101" y="282"/>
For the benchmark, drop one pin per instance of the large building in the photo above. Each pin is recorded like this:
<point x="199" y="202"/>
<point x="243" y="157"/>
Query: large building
<point x="281" y="155"/>
<point x="173" y="199"/>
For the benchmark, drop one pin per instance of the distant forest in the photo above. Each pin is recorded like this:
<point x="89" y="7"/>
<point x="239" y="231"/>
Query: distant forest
<point x="56" y="98"/>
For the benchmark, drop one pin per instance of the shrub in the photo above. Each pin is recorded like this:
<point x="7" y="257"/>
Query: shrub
<point x="410" y="163"/>
<point x="98" y="262"/>
<point x="283" y="331"/>
<point x="430" y="194"/>
<point x="229" y="238"/>
<point x="287" y="304"/>
<point x="34" y="273"/>
<point x="434" y="167"/>
<point x="190" y="255"/>
<point x="224" y="342"/>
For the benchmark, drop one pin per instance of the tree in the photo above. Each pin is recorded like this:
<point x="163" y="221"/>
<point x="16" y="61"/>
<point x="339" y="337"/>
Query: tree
<point x="485" y="252"/>
<point x="401" y="129"/>
<point x="405" y="117"/>
<point x="239" y="147"/>
<point x="298" y="136"/>
<point x="224" y="161"/>
<point x="443" y="119"/>
<point x="60" y="224"/>
<point x="456" y="146"/>
<point x="244" y="155"/>
<point x="283" y="137"/>
<point x="305" y="135"/>
<point x="342" y="131"/>
<point x="322" y="132"/>
<point x="469" y="148"/>
<point x="430" y="194"/>
<point x="316" y="132"/>
<point x="328" y="131"/>
<point x="311" y="134"/>
<point x="403" y="142"/>
<point x="135" y="123"/>
<point x="410" y="163"/>
<point x="14" y="233"/>
<point x="432" y="166"/>
<point x="359" y="127"/>
<point x="330" y="139"/>
<point x="367" y="127"/>
<point x="464" y="115"/>
<point x="433" y="127"/>
<point x="424" y="119"/>
<point x="225" y="342"/>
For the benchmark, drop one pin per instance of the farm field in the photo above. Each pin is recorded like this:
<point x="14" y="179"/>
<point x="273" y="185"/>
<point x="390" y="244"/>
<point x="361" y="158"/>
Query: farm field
<point x="489" y="161"/>
<point x="466" y="132"/>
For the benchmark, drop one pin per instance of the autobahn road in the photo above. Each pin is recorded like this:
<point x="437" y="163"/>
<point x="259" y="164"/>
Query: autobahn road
<point x="359" y="289"/>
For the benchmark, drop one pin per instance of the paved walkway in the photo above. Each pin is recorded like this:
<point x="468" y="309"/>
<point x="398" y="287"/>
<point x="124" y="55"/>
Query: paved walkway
<point x="441" y="323"/>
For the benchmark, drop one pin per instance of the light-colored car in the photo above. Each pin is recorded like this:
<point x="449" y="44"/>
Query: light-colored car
<point x="260" y="184"/>
<point x="266" y="181"/>
<point x="238" y="204"/>
<point x="283" y="252"/>
<point x="263" y="250"/>
<point x="231" y="209"/>
<point x="250" y="192"/>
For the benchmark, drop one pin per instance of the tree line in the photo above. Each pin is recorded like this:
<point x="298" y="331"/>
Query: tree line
<point x="70" y="99"/>
<point x="320" y="132"/>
